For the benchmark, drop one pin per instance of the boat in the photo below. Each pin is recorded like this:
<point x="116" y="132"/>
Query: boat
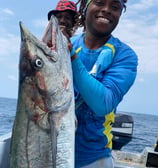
<point x="122" y="134"/>
<point x="122" y="130"/>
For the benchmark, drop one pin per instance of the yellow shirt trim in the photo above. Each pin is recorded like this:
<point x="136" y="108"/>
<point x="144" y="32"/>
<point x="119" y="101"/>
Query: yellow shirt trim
<point x="109" y="119"/>
<point x="111" y="47"/>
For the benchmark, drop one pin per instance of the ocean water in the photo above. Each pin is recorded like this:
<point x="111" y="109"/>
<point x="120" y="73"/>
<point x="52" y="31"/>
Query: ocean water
<point x="144" y="134"/>
<point x="7" y="114"/>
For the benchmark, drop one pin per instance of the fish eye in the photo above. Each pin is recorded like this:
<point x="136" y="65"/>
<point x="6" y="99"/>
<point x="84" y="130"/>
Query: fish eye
<point x="38" y="63"/>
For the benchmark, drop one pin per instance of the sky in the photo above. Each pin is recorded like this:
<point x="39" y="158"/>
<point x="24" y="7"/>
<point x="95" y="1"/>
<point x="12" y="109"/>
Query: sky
<point x="138" y="27"/>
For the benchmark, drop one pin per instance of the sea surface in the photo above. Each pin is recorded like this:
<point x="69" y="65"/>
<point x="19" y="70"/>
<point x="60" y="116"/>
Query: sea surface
<point x="144" y="134"/>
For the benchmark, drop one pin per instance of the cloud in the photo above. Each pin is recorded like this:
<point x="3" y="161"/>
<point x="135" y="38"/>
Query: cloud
<point x="140" y="79"/>
<point x="40" y="23"/>
<point x="7" y="11"/>
<point x="9" y="53"/>
<point x="140" y="32"/>
<point x="143" y="5"/>
<point x="5" y="14"/>
<point x="13" y="78"/>
<point x="9" y="44"/>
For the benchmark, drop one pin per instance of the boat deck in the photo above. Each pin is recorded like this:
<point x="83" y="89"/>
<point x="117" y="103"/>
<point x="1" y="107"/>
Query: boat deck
<point x="148" y="158"/>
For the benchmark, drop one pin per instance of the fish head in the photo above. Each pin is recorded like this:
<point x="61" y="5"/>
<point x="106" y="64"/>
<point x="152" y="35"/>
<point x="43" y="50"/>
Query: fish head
<point x="45" y="71"/>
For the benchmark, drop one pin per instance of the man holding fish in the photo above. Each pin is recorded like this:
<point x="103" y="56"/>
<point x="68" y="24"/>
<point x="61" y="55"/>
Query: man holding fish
<point x="104" y="69"/>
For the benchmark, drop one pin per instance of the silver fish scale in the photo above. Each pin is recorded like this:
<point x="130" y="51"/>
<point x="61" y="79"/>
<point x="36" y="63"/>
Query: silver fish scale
<point x="65" y="145"/>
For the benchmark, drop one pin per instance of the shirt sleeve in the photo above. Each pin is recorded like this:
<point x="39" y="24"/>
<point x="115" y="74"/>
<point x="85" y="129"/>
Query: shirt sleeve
<point x="103" y="96"/>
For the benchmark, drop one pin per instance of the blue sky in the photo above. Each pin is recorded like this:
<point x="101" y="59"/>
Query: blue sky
<point x="138" y="28"/>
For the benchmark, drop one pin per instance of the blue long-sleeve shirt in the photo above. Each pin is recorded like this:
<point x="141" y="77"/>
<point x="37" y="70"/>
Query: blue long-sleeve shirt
<point x="101" y="78"/>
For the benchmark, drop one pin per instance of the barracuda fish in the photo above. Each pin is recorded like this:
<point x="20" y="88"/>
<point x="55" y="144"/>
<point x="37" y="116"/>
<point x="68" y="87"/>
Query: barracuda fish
<point x="44" y="126"/>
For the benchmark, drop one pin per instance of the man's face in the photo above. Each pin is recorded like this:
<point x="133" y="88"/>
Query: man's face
<point x="65" y="18"/>
<point x="102" y="16"/>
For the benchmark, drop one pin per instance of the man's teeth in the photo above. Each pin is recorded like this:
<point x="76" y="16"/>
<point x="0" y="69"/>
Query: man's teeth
<point x="103" y="20"/>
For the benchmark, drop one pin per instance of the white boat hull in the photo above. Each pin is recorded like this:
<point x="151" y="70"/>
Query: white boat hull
<point x="5" y="150"/>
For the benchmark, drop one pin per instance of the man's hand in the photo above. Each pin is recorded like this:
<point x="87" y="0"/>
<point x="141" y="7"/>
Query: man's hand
<point x="67" y="32"/>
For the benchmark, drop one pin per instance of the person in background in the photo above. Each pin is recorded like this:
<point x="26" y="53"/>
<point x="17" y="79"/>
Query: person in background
<point x="104" y="69"/>
<point x="66" y="13"/>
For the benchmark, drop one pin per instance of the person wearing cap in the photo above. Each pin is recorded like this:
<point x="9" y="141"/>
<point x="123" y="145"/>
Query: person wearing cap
<point x="65" y="12"/>
<point x="104" y="69"/>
